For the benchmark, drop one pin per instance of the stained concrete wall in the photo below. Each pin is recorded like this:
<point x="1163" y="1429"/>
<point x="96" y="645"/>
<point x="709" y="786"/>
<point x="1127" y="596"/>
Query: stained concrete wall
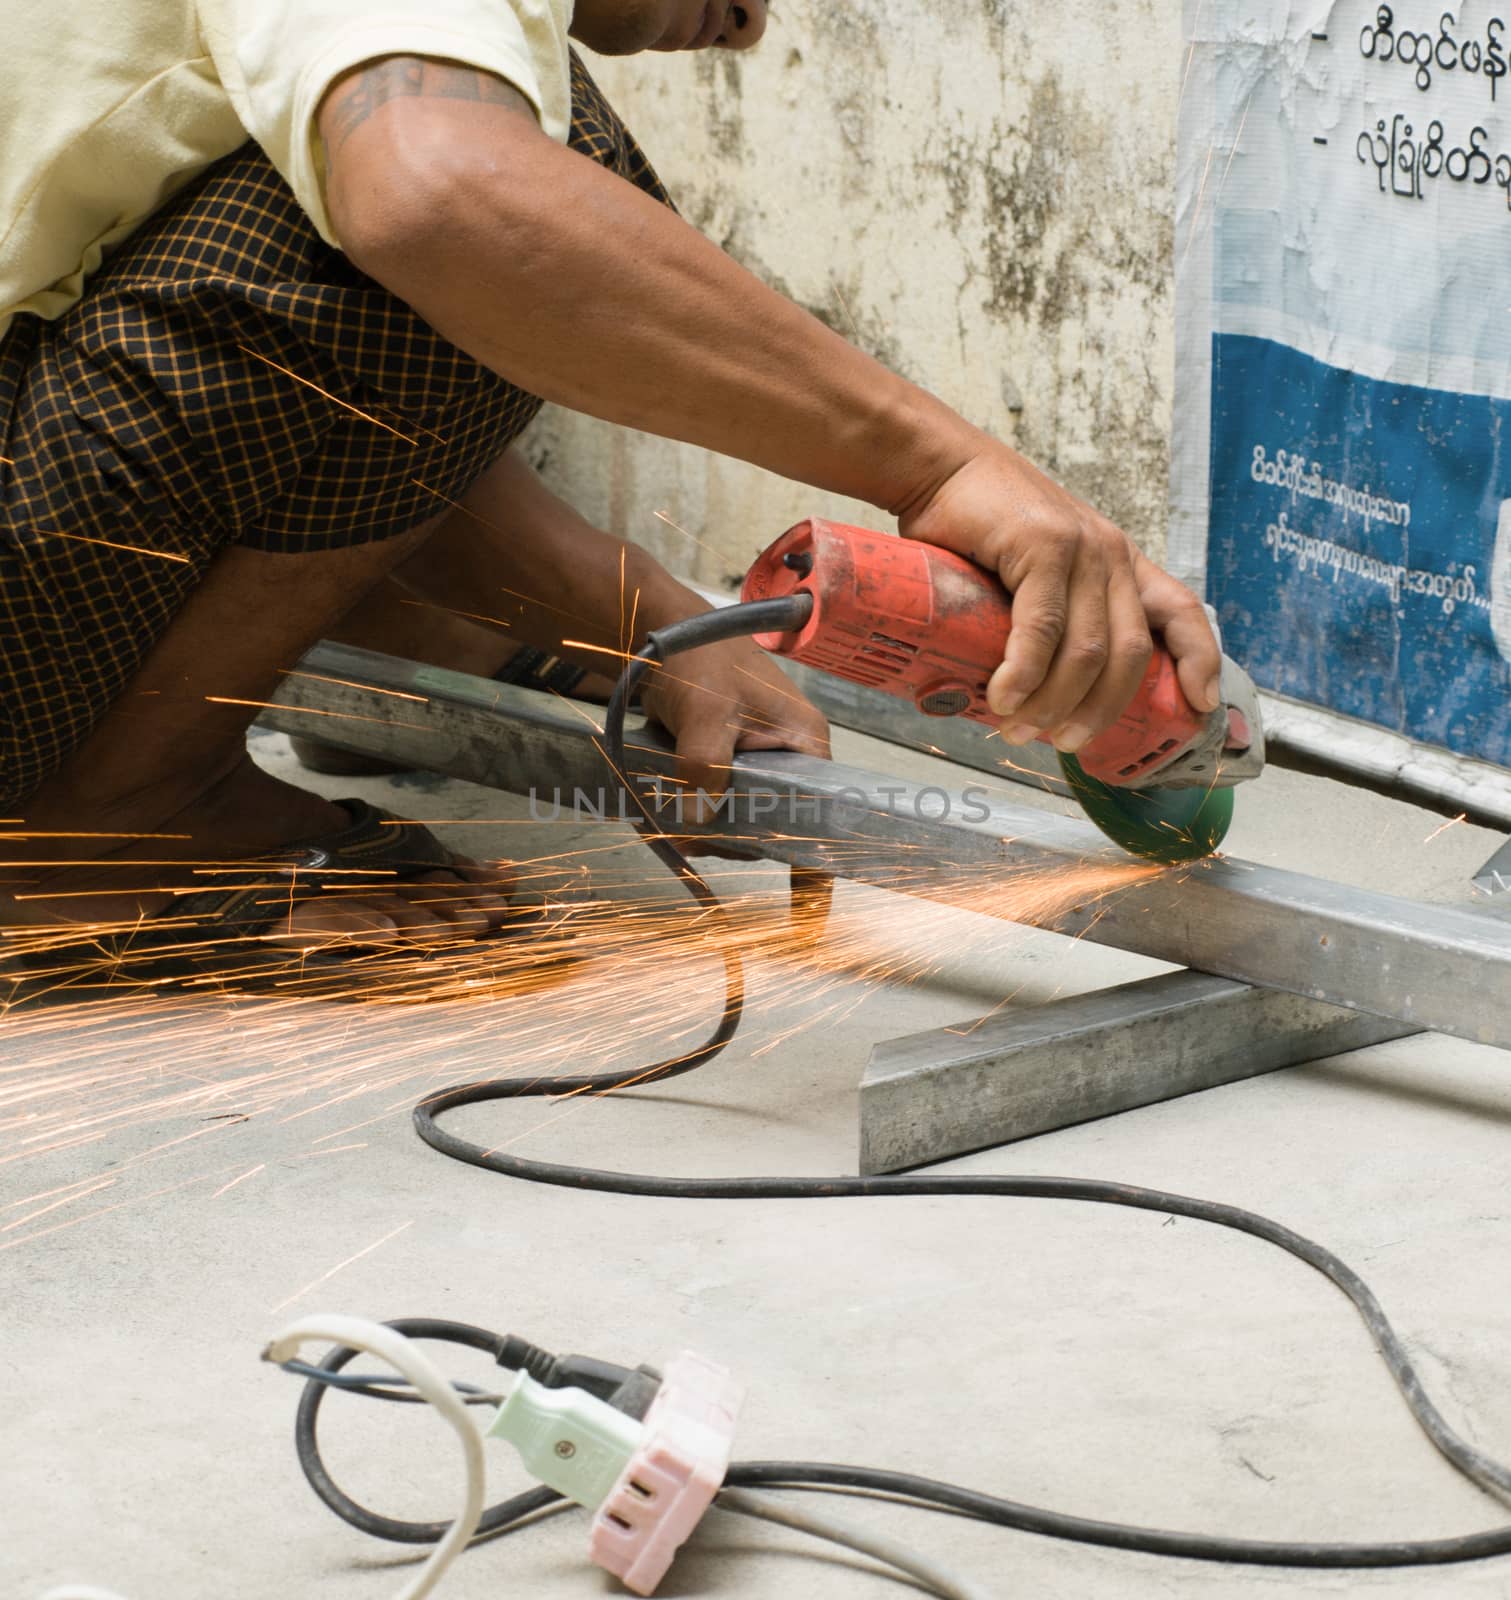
<point x="978" y="192"/>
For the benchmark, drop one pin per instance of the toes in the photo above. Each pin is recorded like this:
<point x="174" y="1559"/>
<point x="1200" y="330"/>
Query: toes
<point x="315" y="924"/>
<point x="417" y="915"/>
<point x="468" y="901"/>
<point x="475" y="898"/>
<point x="496" y="878"/>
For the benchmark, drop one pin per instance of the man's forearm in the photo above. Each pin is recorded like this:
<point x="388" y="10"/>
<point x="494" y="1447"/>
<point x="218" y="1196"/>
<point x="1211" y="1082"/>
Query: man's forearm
<point x="580" y="288"/>
<point x="574" y="284"/>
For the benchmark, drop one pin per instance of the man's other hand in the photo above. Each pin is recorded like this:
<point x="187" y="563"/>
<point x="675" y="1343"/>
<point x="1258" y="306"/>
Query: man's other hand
<point x="722" y="698"/>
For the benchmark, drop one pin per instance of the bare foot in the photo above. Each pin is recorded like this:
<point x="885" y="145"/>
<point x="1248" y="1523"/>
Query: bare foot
<point x="108" y="884"/>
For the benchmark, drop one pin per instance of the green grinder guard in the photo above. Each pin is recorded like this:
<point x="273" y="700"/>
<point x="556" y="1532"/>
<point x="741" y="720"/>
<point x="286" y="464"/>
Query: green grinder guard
<point x="1164" y="825"/>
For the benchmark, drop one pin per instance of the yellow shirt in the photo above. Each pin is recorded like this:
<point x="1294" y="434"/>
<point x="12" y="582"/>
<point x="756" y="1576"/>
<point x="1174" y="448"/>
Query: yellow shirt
<point x="109" y="106"/>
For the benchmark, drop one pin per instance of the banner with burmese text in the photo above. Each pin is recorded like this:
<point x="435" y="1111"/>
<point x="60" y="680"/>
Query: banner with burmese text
<point x="1341" y="476"/>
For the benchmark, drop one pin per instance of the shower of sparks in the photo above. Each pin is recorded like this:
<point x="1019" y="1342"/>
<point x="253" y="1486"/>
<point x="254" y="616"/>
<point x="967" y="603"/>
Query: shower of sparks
<point x="114" y="544"/>
<point x="1452" y="822"/>
<point x="111" y="1064"/>
<point x="341" y="1266"/>
<point x="341" y="1046"/>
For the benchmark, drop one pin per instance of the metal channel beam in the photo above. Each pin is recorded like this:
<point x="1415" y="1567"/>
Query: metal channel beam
<point x="1435" y="967"/>
<point x="932" y="1095"/>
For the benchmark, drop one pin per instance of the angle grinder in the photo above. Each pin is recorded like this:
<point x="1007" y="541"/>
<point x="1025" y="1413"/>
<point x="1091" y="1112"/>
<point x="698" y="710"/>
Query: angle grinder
<point x="926" y="625"/>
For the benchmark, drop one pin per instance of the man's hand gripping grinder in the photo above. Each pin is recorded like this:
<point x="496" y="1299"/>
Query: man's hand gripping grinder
<point x="912" y="620"/>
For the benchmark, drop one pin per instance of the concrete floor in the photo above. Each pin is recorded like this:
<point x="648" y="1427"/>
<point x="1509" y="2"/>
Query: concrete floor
<point x="1096" y="1360"/>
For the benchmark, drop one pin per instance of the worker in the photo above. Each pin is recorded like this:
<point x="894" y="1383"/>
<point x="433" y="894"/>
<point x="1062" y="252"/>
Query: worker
<point x="281" y="284"/>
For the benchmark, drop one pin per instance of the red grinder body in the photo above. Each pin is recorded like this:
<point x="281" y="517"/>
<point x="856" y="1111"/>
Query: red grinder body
<point x="926" y="625"/>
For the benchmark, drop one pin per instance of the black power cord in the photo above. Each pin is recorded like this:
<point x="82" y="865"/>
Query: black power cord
<point x="628" y="1391"/>
<point x="1490" y="1475"/>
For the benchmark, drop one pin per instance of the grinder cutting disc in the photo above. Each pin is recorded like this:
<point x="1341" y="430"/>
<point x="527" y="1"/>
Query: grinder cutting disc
<point x="1165" y="825"/>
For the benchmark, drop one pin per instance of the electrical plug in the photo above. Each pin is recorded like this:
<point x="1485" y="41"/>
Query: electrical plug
<point x="569" y="1439"/>
<point x="629" y="1391"/>
<point x="648" y="1483"/>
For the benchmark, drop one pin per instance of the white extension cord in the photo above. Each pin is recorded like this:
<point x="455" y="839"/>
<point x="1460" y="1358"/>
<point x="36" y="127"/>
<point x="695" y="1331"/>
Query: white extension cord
<point x="407" y="1359"/>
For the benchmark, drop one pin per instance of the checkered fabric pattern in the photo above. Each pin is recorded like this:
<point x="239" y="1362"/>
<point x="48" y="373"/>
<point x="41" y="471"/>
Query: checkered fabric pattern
<point x="205" y="392"/>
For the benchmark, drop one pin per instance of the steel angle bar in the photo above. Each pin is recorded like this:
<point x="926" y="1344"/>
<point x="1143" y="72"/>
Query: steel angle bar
<point x="941" y="1093"/>
<point x="1436" y="967"/>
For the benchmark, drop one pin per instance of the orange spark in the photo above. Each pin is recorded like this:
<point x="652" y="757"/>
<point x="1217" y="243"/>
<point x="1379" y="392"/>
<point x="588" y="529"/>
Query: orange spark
<point x="113" y="544"/>
<point x="251" y="1172"/>
<point x="346" y="683"/>
<point x="600" y="650"/>
<point x="67" y="1200"/>
<point x="89" y="1216"/>
<point x="309" y="711"/>
<point x="341" y="1266"/>
<point x="1463" y="816"/>
<point x="839" y="295"/>
<point x="470" y="616"/>
<point x="663" y="516"/>
<point x="30" y="833"/>
<point x="366" y="416"/>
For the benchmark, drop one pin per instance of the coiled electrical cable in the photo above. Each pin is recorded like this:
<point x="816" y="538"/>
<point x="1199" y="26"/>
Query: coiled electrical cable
<point x="1490" y="1475"/>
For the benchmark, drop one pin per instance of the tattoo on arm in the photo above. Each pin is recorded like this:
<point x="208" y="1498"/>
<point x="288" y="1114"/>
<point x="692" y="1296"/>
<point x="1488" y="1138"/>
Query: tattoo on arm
<point x="353" y="98"/>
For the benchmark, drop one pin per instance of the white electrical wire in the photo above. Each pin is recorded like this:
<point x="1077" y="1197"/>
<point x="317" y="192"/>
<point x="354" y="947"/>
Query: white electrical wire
<point x="405" y="1357"/>
<point x="934" y="1577"/>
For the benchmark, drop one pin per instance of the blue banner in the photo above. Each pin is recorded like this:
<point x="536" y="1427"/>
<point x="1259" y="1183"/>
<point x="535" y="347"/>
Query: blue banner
<point x="1360" y="531"/>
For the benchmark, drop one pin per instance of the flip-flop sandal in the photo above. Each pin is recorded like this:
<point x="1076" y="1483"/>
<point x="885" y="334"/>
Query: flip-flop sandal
<point x="216" y="937"/>
<point x="528" y="668"/>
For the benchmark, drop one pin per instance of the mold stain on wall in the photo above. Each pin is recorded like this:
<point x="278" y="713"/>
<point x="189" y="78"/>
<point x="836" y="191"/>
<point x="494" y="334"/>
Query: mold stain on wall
<point x="980" y="196"/>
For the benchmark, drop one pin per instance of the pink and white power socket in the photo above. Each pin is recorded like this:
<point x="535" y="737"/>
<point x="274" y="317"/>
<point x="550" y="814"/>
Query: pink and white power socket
<point x="671" y="1480"/>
